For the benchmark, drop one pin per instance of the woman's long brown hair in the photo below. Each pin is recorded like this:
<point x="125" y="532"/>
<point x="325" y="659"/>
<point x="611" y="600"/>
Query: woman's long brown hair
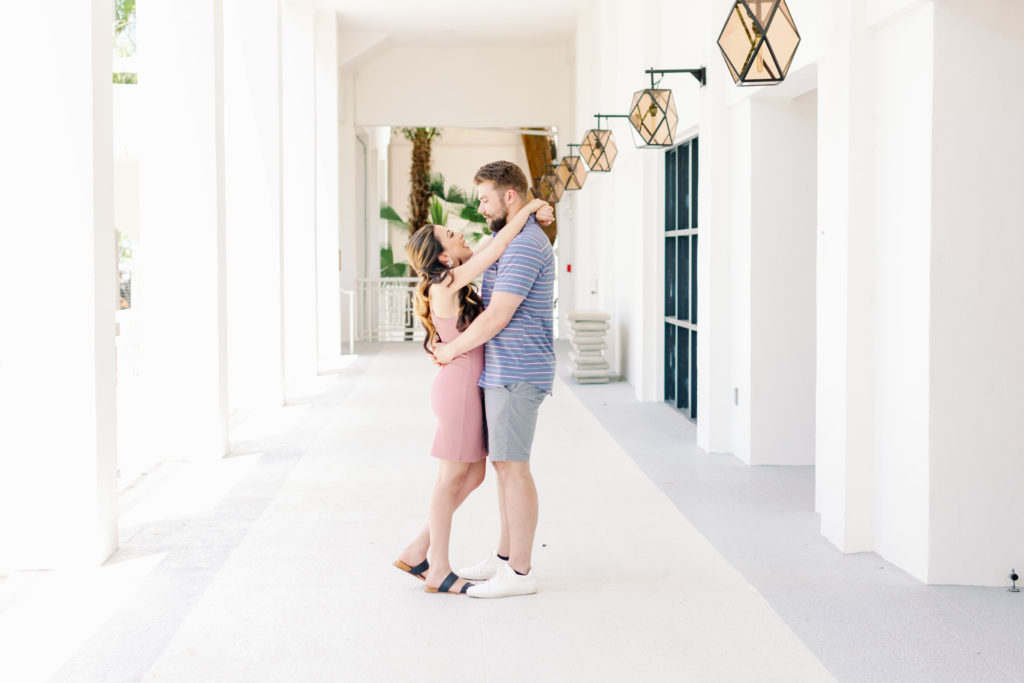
<point x="424" y="252"/>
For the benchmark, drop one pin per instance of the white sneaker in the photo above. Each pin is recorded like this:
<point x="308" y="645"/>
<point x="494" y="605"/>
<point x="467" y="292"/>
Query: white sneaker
<point x="505" y="583"/>
<point x="484" y="570"/>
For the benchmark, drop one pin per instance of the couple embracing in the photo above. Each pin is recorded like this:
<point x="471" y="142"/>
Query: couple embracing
<point x="497" y="364"/>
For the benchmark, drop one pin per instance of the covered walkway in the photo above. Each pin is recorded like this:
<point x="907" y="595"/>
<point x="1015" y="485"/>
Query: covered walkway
<point x="273" y="564"/>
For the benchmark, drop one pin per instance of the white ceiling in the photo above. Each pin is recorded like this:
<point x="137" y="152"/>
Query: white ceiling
<point x="459" y="22"/>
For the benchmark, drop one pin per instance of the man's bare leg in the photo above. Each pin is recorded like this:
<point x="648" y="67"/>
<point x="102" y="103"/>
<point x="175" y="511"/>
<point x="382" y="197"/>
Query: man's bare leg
<point x="503" y="537"/>
<point x="520" y="510"/>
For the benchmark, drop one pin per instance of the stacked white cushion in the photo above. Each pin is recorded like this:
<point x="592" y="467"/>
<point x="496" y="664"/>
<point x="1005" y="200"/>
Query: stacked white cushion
<point x="589" y="316"/>
<point x="589" y="329"/>
<point x="582" y="362"/>
<point x="590" y="343"/>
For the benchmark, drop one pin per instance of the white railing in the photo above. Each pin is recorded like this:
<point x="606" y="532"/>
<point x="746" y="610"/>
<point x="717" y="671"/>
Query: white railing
<point x="385" y="309"/>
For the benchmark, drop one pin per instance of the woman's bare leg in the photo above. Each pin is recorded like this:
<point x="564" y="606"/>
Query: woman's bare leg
<point x="451" y="478"/>
<point x="416" y="551"/>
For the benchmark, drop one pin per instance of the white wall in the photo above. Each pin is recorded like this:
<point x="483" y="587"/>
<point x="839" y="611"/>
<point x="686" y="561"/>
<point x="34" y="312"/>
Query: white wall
<point x="619" y="262"/>
<point x="884" y="327"/>
<point x="617" y="244"/>
<point x="440" y="86"/>
<point x="783" y="238"/>
<point x="977" y="295"/>
<point x="918" y="358"/>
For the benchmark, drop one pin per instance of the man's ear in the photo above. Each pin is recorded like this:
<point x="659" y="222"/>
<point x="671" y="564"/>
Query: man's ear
<point x="511" y="196"/>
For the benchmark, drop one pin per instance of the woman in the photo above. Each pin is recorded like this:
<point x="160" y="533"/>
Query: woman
<point x="446" y="303"/>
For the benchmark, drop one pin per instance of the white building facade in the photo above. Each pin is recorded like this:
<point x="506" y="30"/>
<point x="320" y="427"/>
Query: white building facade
<point x="850" y="242"/>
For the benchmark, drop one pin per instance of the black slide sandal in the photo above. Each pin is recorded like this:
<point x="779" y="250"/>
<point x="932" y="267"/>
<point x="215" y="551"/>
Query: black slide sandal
<point x="416" y="571"/>
<point x="446" y="585"/>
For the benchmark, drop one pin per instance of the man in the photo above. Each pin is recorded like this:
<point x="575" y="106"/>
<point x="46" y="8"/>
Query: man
<point x="519" y="369"/>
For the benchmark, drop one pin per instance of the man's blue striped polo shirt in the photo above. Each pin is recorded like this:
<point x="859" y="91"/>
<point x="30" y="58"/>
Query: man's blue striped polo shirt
<point x="525" y="350"/>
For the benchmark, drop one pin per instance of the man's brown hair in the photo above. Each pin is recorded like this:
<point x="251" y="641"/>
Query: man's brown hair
<point x="505" y="175"/>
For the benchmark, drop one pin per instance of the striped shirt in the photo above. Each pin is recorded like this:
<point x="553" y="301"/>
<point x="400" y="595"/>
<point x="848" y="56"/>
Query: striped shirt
<point x="525" y="350"/>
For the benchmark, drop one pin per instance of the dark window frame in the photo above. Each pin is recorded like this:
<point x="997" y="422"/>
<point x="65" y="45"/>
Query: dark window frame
<point x="681" y="241"/>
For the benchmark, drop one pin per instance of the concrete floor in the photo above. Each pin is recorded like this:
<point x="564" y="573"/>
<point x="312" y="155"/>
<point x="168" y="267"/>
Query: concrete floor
<point x="864" y="618"/>
<point x="273" y="564"/>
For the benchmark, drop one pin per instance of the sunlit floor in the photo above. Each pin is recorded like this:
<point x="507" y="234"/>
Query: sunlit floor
<point x="657" y="562"/>
<point x="274" y="564"/>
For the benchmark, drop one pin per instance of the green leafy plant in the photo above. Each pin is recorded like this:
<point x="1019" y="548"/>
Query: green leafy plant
<point x="456" y="195"/>
<point x="436" y="184"/>
<point x="443" y="202"/>
<point x="388" y="267"/>
<point x="471" y="214"/>
<point x="124" y="38"/>
<point x="438" y="213"/>
<point x="390" y="215"/>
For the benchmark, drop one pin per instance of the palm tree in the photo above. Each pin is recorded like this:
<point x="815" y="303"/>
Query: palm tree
<point x="419" y="175"/>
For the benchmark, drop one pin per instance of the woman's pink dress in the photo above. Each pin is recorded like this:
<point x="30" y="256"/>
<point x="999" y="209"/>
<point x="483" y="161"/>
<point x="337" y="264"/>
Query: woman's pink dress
<point x="458" y="401"/>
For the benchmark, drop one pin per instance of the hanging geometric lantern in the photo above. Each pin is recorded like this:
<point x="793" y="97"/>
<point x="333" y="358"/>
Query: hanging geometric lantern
<point x="571" y="171"/>
<point x="758" y="41"/>
<point x="598" y="148"/>
<point x="549" y="186"/>
<point x="653" y="116"/>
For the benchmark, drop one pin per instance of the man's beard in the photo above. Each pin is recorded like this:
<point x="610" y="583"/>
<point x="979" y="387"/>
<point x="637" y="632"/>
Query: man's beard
<point x="498" y="223"/>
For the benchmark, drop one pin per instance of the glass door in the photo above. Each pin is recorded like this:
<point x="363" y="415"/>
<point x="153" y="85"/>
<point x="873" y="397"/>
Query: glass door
<point x="681" y="277"/>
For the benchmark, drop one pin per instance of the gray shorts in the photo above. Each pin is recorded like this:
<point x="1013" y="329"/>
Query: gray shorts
<point x="511" y="420"/>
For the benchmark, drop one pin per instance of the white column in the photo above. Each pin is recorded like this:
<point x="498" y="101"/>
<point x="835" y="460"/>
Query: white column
<point x="739" y="227"/>
<point x="377" y="227"/>
<point x="897" y="261"/>
<point x="975" y="326"/>
<point x="58" y="277"/>
<point x="299" y="197"/>
<point x="366" y="165"/>
<point x="350" y="196"/>
<point x="252" y="191"/>
<point x="844" y="439"/>
<point x="327" y="179"/>
<point x="181" y="185"/>
<point x="715" y="409"/>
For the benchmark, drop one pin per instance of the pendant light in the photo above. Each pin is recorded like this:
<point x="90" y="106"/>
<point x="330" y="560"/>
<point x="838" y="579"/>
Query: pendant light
<point x="571" y="171"/>
<point x="598" y="148"/>
<point x="758" y="41"/>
